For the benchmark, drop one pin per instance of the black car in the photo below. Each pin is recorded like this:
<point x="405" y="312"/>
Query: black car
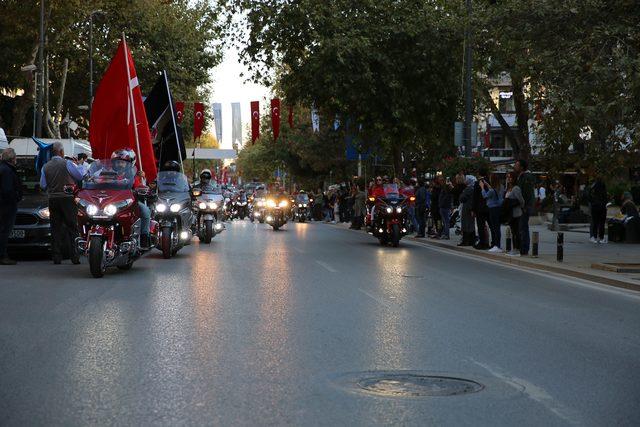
<point x="32" y="230"/>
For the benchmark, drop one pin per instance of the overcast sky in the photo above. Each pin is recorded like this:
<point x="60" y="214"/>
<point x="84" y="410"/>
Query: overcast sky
<point x="229" y="87"/>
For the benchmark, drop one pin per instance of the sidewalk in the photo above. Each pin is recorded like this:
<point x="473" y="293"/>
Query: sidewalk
<point x="580" y="256"/>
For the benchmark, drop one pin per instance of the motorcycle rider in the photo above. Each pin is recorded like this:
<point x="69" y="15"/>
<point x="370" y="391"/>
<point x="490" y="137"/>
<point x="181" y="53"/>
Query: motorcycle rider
<point x="171" y="166"/>
<point x="205" y="179"/>
<point x="119" y="161"/>
<point x="377" y="190"/>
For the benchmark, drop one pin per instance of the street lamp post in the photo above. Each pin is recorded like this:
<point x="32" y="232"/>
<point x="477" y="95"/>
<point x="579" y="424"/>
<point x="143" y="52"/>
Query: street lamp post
<point x="468" y="55"/>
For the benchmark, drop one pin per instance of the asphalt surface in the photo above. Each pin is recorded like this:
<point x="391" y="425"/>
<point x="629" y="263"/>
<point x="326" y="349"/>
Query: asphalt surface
<point x="273" y="328"/>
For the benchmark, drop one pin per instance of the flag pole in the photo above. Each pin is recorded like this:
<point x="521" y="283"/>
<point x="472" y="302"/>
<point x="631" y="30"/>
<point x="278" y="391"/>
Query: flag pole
<point x="173" y="118"/>
<point x="133" y="105"/>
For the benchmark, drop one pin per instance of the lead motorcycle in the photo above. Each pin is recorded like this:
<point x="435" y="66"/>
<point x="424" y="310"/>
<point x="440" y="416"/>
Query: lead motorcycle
<point x="390" y="219"/>
<point x="109" y="216"/>
<point x="209" y="212"/>
<point x="174" y="212"/>
<point x="276" y="212"/>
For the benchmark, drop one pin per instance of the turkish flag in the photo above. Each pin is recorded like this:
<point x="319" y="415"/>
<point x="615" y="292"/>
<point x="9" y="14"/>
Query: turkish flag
<point x="179" y="111"/>
<point x="198" y="119"/>
<point x="275" y="118"/>
<point x="118" y="117"/>
<point x="255" y="121"/>
<point x="291" y="116"/>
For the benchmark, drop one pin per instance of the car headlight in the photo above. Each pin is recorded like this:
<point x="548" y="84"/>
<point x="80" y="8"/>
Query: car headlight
<point x="389" y="210"/>
<point x="92" y="210"/>
<point x="110" y="210"/>
<point x="213" y="205"/>
<point x="202" y="205"/>
<point x="161" y="207"/>
<point x="399" y="209"/>
<point x="175" y="207"/>
<point x="271" y="203"/>
<point x="44" y="213"/>
<point x="283" y="204"/>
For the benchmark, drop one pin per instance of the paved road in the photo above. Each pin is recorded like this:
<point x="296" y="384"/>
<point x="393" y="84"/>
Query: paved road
<point x="264" y="327"/>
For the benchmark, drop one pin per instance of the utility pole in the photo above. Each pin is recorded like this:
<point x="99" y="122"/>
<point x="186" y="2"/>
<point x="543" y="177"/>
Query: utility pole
<point x="468" y="69"/>
<point x="41" y="74"/>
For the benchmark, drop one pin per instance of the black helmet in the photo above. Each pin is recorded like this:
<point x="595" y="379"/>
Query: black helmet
<point x="205" y="174"/>
<point x="171" y="166"/>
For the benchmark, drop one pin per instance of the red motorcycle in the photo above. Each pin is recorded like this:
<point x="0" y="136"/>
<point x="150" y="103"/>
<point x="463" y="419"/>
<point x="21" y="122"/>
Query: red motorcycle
<point x="109" y="216"/>
<point x="390" y="219"/>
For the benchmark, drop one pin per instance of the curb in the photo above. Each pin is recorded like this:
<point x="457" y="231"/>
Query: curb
<point x="608" y="281"/>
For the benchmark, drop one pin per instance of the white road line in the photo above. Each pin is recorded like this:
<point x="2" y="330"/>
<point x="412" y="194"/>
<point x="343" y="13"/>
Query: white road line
<point x="375" y="298"/>
<point x="327" y="266"/>
<point x="534" y="392"/>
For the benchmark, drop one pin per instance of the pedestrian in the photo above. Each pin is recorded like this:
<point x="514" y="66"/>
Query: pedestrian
<point x="435" y="208"/>
<point x="540" y="194"/>
<point x="408" y="191"/>
<point x="493" y="194"/>
<point x="422" y="200"/>
<point x="57" y="175"/>
<point x="598" y="198"/>
<point x="466" y="212"/>
<point x="481" y="210"/>
<point x="83" y="165"/>
<point x="10" y="195"/>
<point x="359" y="207"/>
<point x="526" y="181"/>
<point x="513" y="203"/>
<point x="445" y="204"/>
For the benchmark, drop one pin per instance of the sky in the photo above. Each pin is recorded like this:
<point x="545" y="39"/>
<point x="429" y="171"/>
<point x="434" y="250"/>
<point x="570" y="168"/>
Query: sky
<point x="229" y="87"/>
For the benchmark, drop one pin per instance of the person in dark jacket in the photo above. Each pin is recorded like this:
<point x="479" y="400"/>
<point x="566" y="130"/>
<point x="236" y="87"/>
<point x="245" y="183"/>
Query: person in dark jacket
<point x="421" y="208"/>
<point x="598" y="199"/>
<point x="445" y="202"/>
<point x="435" y="209"/>
<point x="480" y="210"/>
<point x="526" y="182"/>
<point x="10" y="195"/>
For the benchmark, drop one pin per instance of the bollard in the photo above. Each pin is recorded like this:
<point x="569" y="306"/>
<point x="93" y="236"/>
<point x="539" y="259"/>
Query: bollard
<point x="560" y="256"/>
<point x="535" y="240"/>
<point x="508" y="241"/>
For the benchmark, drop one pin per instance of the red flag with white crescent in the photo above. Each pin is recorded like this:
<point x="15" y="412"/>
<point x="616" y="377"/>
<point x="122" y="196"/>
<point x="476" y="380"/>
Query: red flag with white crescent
<point x="275" y="118"/>
<point x="118" y="117"/>
<point x="198" y="119"/>
<point x="255" y="121"/>
<point x="179" y="111"/>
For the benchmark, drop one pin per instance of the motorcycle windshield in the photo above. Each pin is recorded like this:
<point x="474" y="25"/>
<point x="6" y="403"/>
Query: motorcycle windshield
<point x="172" y="182"/>
<point x="391" y="191"/>
<point x="210" y="189"/>
<point x="302" y="198"/>
<point x="110" y="175"/>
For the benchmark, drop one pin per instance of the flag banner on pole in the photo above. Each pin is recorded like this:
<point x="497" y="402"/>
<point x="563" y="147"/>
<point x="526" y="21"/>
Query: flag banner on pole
<point x="236" y="124"/>
<point x="44" y="154"/>
<point x="291" y="116"/>
<point x="275" y="118"/>
<point x="255" y="121"/>
<point x="198" y="120"/>
<point x="166" y="134"/>
<point x="315" y="120"/>
<point x="118" y="118"/>
<point x="179" y="112"/>
<point x="217" y="120"/>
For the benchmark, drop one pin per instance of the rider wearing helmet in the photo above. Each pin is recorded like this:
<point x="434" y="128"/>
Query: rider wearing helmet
<point x="119" y="160"/>
<point x="171" y="166"/>
<point x="205" y="179"/>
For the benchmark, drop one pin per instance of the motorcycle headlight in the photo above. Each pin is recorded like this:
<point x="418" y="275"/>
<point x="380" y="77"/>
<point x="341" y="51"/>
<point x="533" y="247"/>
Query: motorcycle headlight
<point x="161" y="207"/>
<point x="175" y="207"/>
<point x="300" y="205"/>
<point x="260" y="204"/>
<point x="44" y="213"/>
<point x="271" y="203"/>
<point x="110" y="210"/>
<point x="92" y="210"/>
<point x="389" y="210"/>
<point x="283" y="204"/>
<point x="399" y="209"/>
<point x="213" y="205"/>
<point x="304" y="205"/>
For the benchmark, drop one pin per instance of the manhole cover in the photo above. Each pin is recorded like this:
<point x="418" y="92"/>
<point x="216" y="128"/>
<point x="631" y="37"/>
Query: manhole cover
<point x="406" y="384"/>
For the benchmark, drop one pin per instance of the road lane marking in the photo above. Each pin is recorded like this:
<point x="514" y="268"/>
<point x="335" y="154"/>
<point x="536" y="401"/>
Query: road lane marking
<point x="375" y="298"/>
<point x="534" y="392"/>
<point x="326" y="266"/>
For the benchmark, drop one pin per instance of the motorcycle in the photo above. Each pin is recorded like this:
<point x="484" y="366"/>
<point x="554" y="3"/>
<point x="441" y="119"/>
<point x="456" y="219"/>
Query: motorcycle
<point x="275" y="214"/>
<point x="208" y="208"/>
<point x="174" y="212"/>
<point x="109" y="217"/>
<point x="301" y="210"/>
<point x="259" y="209"/>
<point x="241" y="207"/>
<point x="390" y="221"/>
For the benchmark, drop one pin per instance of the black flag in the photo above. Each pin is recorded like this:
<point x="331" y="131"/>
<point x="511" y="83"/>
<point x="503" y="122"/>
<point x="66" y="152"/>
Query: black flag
<point x="166" y="134"/>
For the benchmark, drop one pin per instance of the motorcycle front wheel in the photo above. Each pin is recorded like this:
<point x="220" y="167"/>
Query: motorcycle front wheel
<point x="208" y="231"/>
<point x="165" y="242"/>
<point x="395" y="235"/>
<point x="96" y="257"/>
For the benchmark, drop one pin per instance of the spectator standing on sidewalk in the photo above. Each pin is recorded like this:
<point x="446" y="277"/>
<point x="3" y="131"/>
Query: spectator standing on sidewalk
<point x="435" y="207"/>
<point x="408" y="191"/>
<point x="466" y="212"/>
<point x="445" y="200"/>
<point x="10" y="195"/>
<point x="481" y="211"/>
<point x="513" y="203"/>
<point x="493" y="193"/>
<point x="359" y="207"/>
<point x="57" y="174"/>
<point x="421" y="208"/>
<point x="526" y="182"/>
<point x="598" y="198"/>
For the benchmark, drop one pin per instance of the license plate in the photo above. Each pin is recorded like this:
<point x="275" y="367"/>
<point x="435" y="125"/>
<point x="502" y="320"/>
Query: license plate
<point x="17" y="234"/>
